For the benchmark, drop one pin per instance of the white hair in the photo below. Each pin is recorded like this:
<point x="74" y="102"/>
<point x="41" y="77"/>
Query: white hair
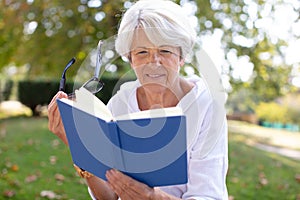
<point x="164" y="23"/>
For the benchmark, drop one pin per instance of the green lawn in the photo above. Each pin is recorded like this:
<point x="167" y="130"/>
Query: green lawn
<point x="33" y="162"/>
<point x="256" y="174"/>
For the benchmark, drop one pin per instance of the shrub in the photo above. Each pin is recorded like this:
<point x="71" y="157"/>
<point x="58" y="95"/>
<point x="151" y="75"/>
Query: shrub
<point x="111" y="86"/>
<point x="294" y="115"/>
<point x="292" y="102"/>
<point x="272" y="112"/>
<point x="40" y="92"/>
<point x="34" y="93"/>
<point x="5" y="91"/>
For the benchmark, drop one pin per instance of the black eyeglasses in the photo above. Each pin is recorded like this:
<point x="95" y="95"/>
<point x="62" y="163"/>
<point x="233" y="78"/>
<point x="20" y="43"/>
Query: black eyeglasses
<point x="62" y="83"/>
<point x="94" y="85"/>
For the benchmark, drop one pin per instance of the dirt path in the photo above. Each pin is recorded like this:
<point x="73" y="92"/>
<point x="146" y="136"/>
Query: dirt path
<point x="282" y="142"/>
<point x="294" y="154"/>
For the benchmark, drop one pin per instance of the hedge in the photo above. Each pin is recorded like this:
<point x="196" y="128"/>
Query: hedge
<point x="40" y="92"/>
<point x="5" y="89"/>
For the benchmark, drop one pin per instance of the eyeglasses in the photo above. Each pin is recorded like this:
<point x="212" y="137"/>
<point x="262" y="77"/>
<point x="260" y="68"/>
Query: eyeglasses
<point x="62" y="83"/>
<point x="143" y="54"/>
<point x="94" y="85"/>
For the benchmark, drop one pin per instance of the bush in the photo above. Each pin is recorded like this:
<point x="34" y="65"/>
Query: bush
<point x="272" y="112"/>
<point x="111" y="86"/>
<point x="292" y="102"/>
<point x="5" y="91"/>
<point x="40" y="92"/>
<point x="34" y="93"/>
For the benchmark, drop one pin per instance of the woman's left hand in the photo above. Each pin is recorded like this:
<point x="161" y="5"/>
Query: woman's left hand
<point x="127" y="188"/>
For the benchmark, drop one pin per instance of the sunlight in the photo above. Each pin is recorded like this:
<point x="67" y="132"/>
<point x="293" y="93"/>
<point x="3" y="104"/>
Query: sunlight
<point x="270" y="19"/>
<point x="29" y="27"/>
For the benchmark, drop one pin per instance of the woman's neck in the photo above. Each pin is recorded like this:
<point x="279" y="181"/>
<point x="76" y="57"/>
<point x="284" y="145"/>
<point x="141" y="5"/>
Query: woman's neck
<point x="165" y="97"/>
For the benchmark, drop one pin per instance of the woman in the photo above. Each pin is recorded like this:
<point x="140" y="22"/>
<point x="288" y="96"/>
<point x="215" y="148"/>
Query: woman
<point x="155" y="36"/>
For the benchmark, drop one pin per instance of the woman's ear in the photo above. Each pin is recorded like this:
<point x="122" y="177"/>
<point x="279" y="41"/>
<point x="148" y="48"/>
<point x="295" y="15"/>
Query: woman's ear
<point x="129" y="58"/>
<point x="181" y="62"/>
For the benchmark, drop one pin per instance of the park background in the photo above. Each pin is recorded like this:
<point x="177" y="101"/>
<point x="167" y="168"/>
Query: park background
<point x="254" y="45"/>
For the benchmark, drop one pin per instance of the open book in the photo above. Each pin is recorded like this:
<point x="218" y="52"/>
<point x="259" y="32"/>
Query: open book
<point x="149" y="146"/>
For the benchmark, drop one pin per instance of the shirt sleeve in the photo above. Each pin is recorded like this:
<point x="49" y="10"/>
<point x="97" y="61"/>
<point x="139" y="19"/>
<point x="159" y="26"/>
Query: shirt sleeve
<point x="91" y="194"/>
<point x="207" y="176"/>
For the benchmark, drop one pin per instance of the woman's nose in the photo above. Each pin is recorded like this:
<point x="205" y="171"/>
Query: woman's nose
<point x="154" y="57"/>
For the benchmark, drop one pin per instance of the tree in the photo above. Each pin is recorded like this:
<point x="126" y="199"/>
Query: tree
<point x="242" y="34"/>
<point x="45" y="34"/>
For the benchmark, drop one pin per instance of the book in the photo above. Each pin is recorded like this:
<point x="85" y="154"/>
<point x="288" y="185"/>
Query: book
<point x="149" y="146"/>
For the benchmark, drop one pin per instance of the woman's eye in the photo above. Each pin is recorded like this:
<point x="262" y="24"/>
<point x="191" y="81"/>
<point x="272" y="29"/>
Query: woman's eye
<point x="165" y="51"/>
<point x="141" y="52"/>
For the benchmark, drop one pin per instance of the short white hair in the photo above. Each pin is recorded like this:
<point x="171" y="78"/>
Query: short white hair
<point x="164" y="23"/>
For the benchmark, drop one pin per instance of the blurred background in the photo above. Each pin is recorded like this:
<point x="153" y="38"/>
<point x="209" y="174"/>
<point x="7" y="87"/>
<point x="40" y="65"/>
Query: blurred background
<point x="254" y="44"/>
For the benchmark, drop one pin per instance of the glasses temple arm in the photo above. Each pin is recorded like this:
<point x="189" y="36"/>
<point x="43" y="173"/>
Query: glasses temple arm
<point x="98" y="61"/>
<point x="62" y="82"/>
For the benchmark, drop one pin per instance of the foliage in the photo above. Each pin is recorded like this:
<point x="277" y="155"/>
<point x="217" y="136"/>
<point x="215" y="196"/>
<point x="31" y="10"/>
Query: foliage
<point x="40" y="92"/>
<point x="292" y="102"/>
<point x="294" y="115"/>
<point x="242" y="101"/>
<point x="272" y="112"/>
<point x="44" y="34"/>
<point x="269" y="79"/>
<point x="33" y="93"/>
<point x="111" y="86"/>
<point x="5" y="89"/>
<point x="285" y="109"/>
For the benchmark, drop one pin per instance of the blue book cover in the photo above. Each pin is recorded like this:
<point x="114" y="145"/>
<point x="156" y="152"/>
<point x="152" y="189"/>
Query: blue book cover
<point x="151" y="150"/>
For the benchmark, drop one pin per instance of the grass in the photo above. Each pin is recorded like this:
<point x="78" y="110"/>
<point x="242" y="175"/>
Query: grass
<point x="256" y="174"/>
<point x="33" y="162"/>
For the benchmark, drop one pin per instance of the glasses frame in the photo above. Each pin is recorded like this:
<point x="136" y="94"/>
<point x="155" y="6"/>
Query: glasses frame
<point x="62" y="82"/>
<point x="93" y="80"/>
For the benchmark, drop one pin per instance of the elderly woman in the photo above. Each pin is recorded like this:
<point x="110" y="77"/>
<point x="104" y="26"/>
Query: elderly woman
<point x="156" y="36"/>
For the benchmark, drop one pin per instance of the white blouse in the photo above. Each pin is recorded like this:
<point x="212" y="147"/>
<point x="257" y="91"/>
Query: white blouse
<point x="206" y="140"/>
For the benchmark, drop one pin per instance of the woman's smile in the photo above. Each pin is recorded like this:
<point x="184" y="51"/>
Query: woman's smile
<point x="155" y="75"/>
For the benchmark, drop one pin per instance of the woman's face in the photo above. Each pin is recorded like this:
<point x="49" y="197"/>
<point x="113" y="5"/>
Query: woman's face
<point x="156" y="67"/>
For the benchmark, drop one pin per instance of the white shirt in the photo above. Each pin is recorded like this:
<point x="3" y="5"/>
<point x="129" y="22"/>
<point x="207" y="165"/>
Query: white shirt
<point x="207" y="145"/>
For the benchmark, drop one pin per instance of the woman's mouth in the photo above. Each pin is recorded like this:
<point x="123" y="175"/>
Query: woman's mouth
<point x="154" y="75"/>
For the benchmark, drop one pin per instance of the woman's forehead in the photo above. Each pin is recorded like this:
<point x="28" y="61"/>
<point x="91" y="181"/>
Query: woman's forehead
<point x="141" y="40"/>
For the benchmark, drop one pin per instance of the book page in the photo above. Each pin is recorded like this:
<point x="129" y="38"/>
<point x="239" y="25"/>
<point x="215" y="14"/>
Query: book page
<point x="89" y="103"/>
<point x="153" y="113"/>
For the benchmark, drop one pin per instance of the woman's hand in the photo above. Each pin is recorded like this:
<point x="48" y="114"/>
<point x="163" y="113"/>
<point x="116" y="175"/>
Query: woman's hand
<point x="55" y="124"/>
<point x="127" y="188"/>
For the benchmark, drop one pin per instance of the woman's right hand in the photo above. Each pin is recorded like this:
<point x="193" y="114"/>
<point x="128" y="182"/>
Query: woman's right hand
<point x="55" y="124"/>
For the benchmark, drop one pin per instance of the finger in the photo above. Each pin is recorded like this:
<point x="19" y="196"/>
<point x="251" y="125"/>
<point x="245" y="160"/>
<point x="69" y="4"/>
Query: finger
<point x="124" y="179"/>
<point x="52" y="105"/>
<point x="55" y="123"/>
<point x="117" y="184"/>
<point x="58" y="95"/>
<point x="54" y="118"/>
<point x="127" y="187"/>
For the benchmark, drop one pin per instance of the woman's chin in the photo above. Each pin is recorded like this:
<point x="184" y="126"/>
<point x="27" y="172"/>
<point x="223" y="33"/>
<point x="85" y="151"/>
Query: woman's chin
<point x="155" y="87"/>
